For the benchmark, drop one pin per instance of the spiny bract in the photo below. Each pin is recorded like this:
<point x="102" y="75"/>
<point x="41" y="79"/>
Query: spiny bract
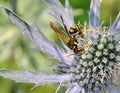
<point x="95" y="71"/>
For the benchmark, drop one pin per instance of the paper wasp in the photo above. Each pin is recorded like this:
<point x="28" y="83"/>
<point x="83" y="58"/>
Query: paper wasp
<point x="72" y="41"/>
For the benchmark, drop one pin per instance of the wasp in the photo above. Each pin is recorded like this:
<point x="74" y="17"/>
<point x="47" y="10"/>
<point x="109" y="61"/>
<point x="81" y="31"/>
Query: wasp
<point x="71" y="41"/>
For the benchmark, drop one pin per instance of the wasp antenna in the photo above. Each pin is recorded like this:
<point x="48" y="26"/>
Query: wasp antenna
<point x="54" y="28"/>
<point x="61" y="19"/>
<point x="65" y="27"/>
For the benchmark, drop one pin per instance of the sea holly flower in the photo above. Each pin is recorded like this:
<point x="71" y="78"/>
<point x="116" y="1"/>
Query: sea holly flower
<point x="94" y="71"/>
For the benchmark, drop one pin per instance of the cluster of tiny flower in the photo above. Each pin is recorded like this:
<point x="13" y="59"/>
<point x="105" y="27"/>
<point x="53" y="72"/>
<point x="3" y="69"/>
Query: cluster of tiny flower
<point x="95" y="69"/>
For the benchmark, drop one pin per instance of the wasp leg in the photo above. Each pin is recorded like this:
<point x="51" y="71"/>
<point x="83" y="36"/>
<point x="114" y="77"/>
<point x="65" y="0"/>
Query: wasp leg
<point x="82" y="39"/>
<point x="87" y="44"/>
<point x="95" y="30"/>
<point x="69" y="55"/>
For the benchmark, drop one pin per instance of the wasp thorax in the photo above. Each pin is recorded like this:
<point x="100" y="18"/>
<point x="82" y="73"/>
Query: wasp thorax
<point x="76" y="29"/>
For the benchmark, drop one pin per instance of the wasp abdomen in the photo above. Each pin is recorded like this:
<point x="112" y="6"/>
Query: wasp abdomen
<point x="72" y="45"/>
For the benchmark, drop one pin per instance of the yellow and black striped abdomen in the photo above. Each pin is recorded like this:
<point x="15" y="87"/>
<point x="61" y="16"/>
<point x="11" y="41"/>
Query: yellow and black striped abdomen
<point x="75" y="28"/>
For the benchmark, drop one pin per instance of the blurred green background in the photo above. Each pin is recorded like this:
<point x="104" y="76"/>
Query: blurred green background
<point x="16" y="52"/>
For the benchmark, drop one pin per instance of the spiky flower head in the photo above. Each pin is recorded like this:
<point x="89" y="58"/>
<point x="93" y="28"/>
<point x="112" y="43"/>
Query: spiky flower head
<point x="94" y="71"/>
